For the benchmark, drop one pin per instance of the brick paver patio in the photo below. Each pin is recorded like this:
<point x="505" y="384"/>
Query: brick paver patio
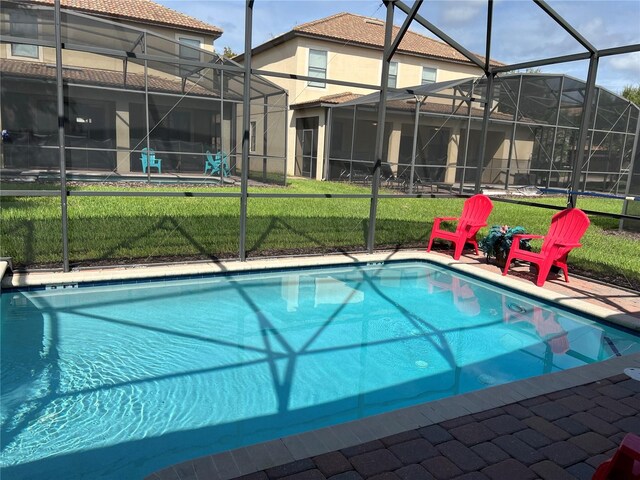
<point x="562" y="435"/>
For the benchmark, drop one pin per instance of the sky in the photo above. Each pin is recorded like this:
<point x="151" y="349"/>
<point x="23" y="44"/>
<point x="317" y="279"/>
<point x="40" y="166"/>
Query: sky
<point x="521" y="30"/>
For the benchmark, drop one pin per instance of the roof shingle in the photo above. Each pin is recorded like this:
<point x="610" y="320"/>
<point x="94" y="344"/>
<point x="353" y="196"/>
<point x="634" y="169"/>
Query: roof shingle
<point x="409" y="105"/>
<point x="141" y="10"/>
<point x="357" y="29"/>
<point x="95" y="76"/>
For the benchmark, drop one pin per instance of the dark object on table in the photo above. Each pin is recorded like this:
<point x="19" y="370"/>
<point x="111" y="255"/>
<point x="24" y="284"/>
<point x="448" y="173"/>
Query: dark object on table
<point x="499" y="240"/>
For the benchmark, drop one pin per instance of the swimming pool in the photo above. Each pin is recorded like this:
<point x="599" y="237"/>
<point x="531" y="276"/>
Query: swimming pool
<point x="118" y="381"/>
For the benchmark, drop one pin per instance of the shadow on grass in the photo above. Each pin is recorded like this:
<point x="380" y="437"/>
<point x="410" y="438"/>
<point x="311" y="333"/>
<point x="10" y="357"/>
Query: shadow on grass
<point x="31" y="242"/>
<point x="145" y="239"/>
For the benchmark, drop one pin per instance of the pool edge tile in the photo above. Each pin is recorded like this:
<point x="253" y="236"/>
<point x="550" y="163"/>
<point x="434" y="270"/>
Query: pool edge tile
<point x="186" y="471"/>
<point x="343" y="432"/>
<point x="302" y="445"/>
<point x="204" y="468"/>
<point x="225" y="465"/>
<point x="326" y="437"/>
<point x="168" y="473"/>
<point x="278" y="451"/>
<point x="244" y="461"/>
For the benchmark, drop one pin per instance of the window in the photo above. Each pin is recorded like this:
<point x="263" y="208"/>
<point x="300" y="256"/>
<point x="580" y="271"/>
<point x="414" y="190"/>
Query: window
<point x="428" y="75"/>
<point x="252" y="136"/>
<point x="186" y="50"/>
<point x="24" y="25"/>
<point x="393" y="74"/>
<point x="189" y="50"/>
<point x="317" y="66"/>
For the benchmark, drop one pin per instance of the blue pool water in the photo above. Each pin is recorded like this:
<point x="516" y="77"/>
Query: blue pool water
<point x="119" y="381"/>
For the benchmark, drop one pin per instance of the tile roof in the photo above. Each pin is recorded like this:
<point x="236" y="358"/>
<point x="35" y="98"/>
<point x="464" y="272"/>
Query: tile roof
<point x="408" y="105"/>
<point x="335" y="99"/>
<point x="140" y="10"/>
<point x="95" y="76"/>
<point x="351" y="28"/>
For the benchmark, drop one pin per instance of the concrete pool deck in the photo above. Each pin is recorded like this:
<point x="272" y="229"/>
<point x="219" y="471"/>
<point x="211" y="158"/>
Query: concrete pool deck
<point x="560" y="425"/>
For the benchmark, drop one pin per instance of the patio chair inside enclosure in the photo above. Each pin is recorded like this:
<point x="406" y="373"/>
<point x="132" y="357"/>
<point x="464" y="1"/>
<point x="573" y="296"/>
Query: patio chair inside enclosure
<point x="474" y="216"/>
<point x="149" y="160"/>
<point x="213" y="162"/>
<point x="566" y="230"/>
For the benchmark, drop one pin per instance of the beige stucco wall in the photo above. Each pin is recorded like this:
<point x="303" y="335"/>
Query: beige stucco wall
<point x="72" y="58"/>
<point x="271" y="126"/>
<point x="349" y="63"/>
<point x="522" y="153"/>
<point x="282" y="58"/>
<point x="497" y="154"/>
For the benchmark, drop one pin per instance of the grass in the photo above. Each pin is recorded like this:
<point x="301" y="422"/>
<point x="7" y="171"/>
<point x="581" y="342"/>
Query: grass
<point x="128" y="229"/>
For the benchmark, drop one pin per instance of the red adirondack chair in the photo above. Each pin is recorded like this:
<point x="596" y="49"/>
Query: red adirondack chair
<point x="567" y="227"/>
<point x="475" y="212"/>
<point x="625" y="463"/>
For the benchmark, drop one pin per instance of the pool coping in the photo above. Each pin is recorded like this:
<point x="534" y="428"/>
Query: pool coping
<point x="38" y="279"/>
<point x="261" y="456"/>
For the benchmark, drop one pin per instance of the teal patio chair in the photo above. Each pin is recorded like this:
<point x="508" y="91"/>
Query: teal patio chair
<point x="213" y="162"/>
<point x="149" y="160"/>
<point x="225" y="163"/>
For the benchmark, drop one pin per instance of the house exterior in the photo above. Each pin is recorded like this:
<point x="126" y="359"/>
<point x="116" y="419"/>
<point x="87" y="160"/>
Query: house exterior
<point x="104" y="95"/>
<point x="347" y="47"/>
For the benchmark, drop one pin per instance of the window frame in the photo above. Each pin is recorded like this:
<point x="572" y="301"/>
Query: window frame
<point x="10" y="52"/>
<point x="394" y="76"/>
<point x="189" y="38"/>
<point x="435" y="75"/>
<point x="317" y="84"/>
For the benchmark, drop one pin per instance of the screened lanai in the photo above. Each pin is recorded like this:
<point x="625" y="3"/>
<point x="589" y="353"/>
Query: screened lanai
<point x="432" y="135"/>
<point x="128" y="91"/>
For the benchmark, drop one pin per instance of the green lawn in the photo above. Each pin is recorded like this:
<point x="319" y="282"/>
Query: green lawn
<point x="135" y="229"/>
